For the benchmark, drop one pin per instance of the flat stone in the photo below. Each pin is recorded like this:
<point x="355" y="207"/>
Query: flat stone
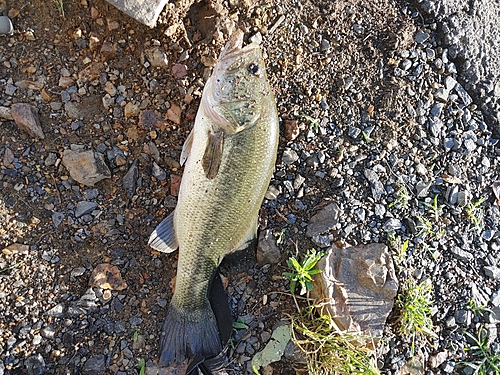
<point x="95" y="365"/>
<point x="6" y="27"/>
<point x="289" y="156"/>
<point x="375" y="184"/>
<point x="84" y="208"/>
<point x="26" y="117"/>
<point x="493" y="272"/>
<point x="464" y="95"/>
<point x="268" y="251"/>
<point x="86" y="167"/>
<point x="420" y="36"/>
<point x="107" y="276"/>
<point x="35" y="364"/>
<point x="460" y="254"/>
<point x="144" y="11"/>
<point x="174" y="113"/>
<point x="436" y="360"/>
<point x="130" y="180"/>
<point x="158" y="172"/>
<point x="361" y="284"/>
<point x="157" y="57"/>
<point x="324" y="220"/>
<point x="57" y="218"/>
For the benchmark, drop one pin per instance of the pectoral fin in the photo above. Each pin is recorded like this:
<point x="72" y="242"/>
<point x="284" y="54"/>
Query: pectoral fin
<point x="213" y="154"/>
<point x="163" y="237"/>
<point x="186" y="147"/>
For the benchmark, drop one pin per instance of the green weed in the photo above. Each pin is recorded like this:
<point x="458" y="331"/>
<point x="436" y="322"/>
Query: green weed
<point x="280" y="236"/>
<point x="312" y="120"/>
<point x="402" y="197"/>
<point x="327" y="349"/>
<point x="475" y="214"/>
<point x="303" y="272"/>
<point x="142" y="366"/>
<point x="60" y="6"/>
<point x="488" y="362"/>
<point x="435" y="208"/>
<point x="415" y="303"/>
<point x="396" y="245"/>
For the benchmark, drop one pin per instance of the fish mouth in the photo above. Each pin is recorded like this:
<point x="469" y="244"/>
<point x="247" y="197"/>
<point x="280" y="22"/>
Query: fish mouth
<point x="234" y="46"/>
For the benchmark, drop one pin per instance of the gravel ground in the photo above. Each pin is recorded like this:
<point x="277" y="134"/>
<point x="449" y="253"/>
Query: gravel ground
<point x="373" y="118"/>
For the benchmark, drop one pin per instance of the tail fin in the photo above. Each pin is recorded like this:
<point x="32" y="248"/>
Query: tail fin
<point x="189" y="333"/>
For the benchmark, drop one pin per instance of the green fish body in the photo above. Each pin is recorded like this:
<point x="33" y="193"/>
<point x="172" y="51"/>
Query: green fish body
<point x="229" y="159"/>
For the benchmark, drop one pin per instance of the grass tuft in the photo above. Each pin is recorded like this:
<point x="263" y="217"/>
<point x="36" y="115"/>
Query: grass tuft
<point x="415" y="303"/>
<point x="328" y="350"/>
<point x="488" y="362"/>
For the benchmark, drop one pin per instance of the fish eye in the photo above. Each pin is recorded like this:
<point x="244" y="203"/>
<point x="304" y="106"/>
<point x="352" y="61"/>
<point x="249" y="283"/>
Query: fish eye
<point x="253" y="68"/>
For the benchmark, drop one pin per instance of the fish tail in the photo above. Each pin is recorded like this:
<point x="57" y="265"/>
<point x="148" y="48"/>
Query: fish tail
<point x="189" y="333"/>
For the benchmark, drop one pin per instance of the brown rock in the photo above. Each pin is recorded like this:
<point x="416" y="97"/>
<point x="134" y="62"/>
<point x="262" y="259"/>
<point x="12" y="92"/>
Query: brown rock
<point x="94" y="40"/>
<point x="107" y="276"/>
<point x="360" y="284"/>
<point x="91" y="72"/>
<point x="174" y="113"/>
<point x="109" y="50"/>
<point x="8" y="157"/>
<point x="112" y="25"/>
<point x="157" y="57"/>
<point x="150" y="119"/>
<point x="6" y="113"/>
<point x="179" y="71"/>
<point x="66" y="82"/>
<point x="131" y="110"/>
<point x="267" y="250"/>
<point x="132" y="133"/>
<point x="16" y="248"/>
<point x="94" y="13"/>
<point x="291" y="129"/>
<point x="175" y="184"/>
<point x="86" y="167"/>
<point x="26" y="117"/>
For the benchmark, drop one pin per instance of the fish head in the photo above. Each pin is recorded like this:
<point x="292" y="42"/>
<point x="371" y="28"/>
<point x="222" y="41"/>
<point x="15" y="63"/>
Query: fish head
<point x="234" y="95"/>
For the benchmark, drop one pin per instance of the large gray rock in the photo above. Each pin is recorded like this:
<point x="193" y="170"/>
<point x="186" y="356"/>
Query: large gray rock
<point x="86" y="167"/>
<point x="360" y="285"/>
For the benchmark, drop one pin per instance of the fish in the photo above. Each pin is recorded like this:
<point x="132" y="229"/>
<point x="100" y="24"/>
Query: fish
<point x="228" y="159"/>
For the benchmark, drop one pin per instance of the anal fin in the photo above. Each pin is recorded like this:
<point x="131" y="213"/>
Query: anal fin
<point x="163" y="237"/>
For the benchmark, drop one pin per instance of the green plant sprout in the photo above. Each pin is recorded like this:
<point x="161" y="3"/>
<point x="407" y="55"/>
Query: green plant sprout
<point x="142" y="366"/>
<point x="402" y="197"/>
<point x="280" y="236"/>
<point x="60" y="7"/>
<point x="240" y="324"/>
<point x="434" y="207"/>
<point x="327" y="349"/>
<point x="427" y="229"/>
<point x="415" y="303"/>
<point x="478" y="308"/>
<point x="303" y="272"/>
<point x="475" y="214"/>
<point x="489" y="361"/>
<point x="312" y="120"/>
<point x="396" y="245"/>
<point x="366" y="138"/>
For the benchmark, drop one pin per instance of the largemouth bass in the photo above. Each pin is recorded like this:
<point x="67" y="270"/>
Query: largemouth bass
<point x="229" y="158"/>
